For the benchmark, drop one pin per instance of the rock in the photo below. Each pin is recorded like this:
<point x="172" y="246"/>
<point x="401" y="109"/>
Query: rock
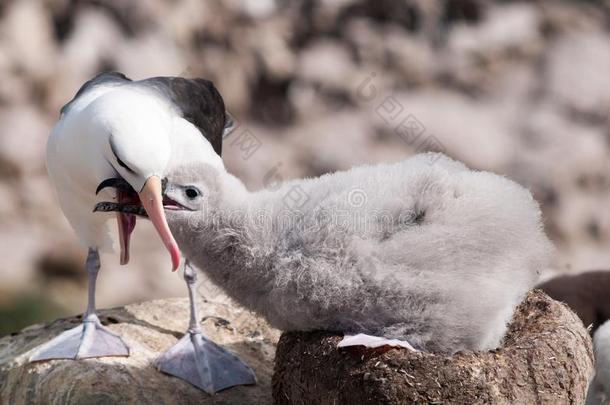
<point x="413" y="58"/>
<point x="321" y="153"/>
<point x="232" y="73"/>
<point x="571" y="192"/>
<point x="92" y="40"/>
<point x="255" y="8"/>
<point x="19" y="242"/>
<point x="270" y="44"/>
<point x="327" y="63"/>
<point x="581" y="61"/>
<point x="32" y="51"/>
<point x="14" y="88"/>
<point x="452" y="124"/>
<point x="508" y="27"/>
<point x="478" y="54"/>
<point x="149" y="328"/>
<point x="23" y="139"/>
<point x="564" y="17"/>
<point x="548" y="137"/>
<point x="181" y="19"/>
<point x="599" y="394"/>
<point x="546" y="358"/>
<point x="365" y="36"/>
<point x="326" y="13"/>
<point x="149" y="55"/>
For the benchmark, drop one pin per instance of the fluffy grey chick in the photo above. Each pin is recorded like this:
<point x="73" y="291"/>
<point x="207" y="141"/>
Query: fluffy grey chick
<point x="599" y="387"/>
<point x="425" y="250"/>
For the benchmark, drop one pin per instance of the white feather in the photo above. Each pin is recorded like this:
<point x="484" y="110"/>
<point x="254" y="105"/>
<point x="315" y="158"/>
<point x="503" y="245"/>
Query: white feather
<point x="362" y="339"/>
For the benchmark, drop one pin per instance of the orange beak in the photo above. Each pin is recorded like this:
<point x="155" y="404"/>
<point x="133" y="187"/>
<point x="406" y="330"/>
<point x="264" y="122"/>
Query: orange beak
<point x="152" y="200"/>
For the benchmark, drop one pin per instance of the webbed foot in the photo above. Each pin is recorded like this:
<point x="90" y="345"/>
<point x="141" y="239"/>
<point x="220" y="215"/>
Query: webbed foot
<point x="89" y="339"/>
<point x="205" y="364"/>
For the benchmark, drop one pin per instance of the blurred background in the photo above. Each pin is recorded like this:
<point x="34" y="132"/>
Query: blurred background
<point x="519" y="88"/>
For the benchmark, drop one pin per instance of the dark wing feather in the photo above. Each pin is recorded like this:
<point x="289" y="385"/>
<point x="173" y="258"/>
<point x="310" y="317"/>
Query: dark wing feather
<point x="199" y="101"/>
<point x="102" y="78"/>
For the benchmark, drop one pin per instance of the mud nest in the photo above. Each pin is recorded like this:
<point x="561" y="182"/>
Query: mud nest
<point x="546" y="358"/>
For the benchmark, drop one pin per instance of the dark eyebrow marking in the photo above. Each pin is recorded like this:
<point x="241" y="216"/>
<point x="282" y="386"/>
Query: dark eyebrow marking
<point x="118" y="159"/>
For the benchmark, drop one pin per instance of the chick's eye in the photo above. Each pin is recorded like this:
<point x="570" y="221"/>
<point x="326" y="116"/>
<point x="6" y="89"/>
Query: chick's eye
<point x="191" y="192"/>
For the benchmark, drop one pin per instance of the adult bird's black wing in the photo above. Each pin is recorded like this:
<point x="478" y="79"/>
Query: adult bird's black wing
<point x="199" y="102"/>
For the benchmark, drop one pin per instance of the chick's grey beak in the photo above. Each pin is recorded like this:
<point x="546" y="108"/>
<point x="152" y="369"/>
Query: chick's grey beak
<point x="118" y="183"/>
<point x="117" y="207"/>
<point x="128" y="198"/>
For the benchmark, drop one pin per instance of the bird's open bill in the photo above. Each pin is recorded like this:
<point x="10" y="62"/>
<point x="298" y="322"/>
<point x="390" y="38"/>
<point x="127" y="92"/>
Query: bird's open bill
<point x="147" y="203"/>
<point x="151" y="198"/>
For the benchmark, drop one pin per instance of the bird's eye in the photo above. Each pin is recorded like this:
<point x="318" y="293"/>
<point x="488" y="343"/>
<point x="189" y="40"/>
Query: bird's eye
<point x="191" y="192"/>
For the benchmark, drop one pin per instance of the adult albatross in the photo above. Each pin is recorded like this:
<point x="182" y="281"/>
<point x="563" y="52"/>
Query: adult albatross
<point x="115" y="139"/>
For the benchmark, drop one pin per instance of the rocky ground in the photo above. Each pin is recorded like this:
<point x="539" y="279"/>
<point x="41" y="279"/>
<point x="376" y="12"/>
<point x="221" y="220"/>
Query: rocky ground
<point x="149" y="329"/>
<point x="546" y="358"/>
<point x="520" y="88"/>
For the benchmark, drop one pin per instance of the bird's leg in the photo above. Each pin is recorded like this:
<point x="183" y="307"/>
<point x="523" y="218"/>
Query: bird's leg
<point x="93" y="330"/>
<point x="91" y="338"/>
<point x="190" y="277"/>
<point x="90" y="319"/>
<point x="93" y="267"/>
<point x="197" y="359"/>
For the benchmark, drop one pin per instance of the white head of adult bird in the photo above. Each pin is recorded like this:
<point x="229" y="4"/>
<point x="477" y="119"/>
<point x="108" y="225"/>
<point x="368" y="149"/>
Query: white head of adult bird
<point x="120" y="136"/>
<point x="425" y="251"/>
